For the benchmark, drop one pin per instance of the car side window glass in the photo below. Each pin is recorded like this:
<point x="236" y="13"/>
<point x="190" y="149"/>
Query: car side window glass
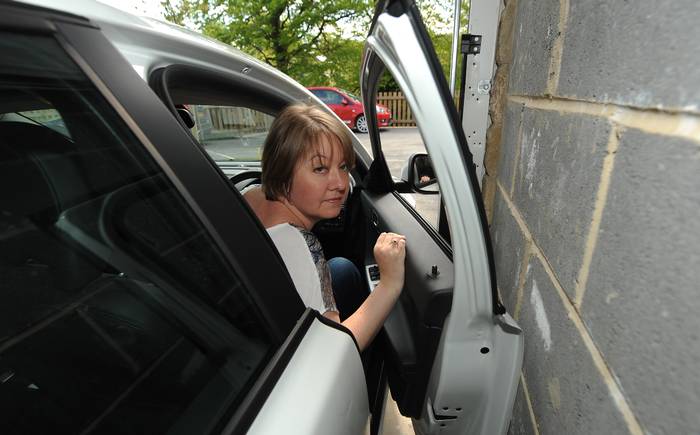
<point x="334" y="98"/>
<point x="119" y="313"/>
<point x="398" y="145"/>
<point x="230" y="133"/>
<point x="321" y="94"/>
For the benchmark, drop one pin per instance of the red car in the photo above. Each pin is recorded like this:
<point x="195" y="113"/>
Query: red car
<point x="349" y="108"/>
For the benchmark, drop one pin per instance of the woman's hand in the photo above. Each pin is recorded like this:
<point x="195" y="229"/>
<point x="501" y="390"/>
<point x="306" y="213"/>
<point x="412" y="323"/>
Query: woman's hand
<point x="390" y="253"/>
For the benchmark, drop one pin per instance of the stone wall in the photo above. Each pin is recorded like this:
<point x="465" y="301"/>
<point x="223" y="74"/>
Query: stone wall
<point x="593" y="194"/>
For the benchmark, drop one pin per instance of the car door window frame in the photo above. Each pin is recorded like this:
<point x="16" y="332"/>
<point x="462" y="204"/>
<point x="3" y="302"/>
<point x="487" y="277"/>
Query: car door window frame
<point x="379" y="179"/>
<point x="373" y="68"/>
<point x="477" y="318"/>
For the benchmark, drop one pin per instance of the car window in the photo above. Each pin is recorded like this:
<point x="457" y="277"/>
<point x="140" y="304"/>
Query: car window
<point x="398" y="145"/>
<point x="119" y="312"/>
<point x="334" y="98"/>
<point x="321" y="94"/>
<point x="397" y="155"/>
<point x="351" y="95"/>
<point x="230" y="133"/>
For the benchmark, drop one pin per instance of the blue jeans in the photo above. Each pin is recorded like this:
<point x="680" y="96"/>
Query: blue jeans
<point x="349" y="289"/>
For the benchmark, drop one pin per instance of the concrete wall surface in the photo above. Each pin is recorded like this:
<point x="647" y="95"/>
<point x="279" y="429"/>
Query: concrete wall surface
<point x="593" y="196"/>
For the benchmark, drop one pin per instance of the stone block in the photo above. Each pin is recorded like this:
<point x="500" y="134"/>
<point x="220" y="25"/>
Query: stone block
<point x="567" y="392"/>
<point x="509" y="143"/>
<point x="641" y="303"/>
<point x="641" y="53"/>
<point x="536" y="28"/>
<point x="556" y="182"/>
<point x="520" y="422"/>
<point x="508" y="249"/>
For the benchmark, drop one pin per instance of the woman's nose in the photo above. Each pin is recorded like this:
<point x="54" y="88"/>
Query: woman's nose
<point x="338" y="180"/>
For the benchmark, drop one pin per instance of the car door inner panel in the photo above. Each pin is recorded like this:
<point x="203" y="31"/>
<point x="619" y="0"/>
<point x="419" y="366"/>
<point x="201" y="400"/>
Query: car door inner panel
<point x="412" y="330"/>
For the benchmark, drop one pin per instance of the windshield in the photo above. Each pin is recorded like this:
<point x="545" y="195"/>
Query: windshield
<point x="351" y="95"/>
<point x="229" y="133"/>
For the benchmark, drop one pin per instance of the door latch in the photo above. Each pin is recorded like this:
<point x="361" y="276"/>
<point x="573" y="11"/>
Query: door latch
<point x="471" y="44"/>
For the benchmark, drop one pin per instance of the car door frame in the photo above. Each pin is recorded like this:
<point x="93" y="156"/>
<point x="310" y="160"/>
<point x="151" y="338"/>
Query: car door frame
<point x="204" y="188"/>
<point x="476" y="370"/>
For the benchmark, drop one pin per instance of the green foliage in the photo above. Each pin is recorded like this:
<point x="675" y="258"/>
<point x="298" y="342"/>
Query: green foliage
<point x="437" y="16"/>
<point x="439" y="24"/>
<point x="291" y="35"/>
<point x="314" y="42"/>
<point x="341" y="67"/>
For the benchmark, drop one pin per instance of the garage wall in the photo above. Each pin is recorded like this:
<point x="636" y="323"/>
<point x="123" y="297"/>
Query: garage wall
<point x="594" y="204"/>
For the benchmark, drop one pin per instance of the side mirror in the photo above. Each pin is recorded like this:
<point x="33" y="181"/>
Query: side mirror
<point x="421" y="175"/>
<point x="344" y="102"/>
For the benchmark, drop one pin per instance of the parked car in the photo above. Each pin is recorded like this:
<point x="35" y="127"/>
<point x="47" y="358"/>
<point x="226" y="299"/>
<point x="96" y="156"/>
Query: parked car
<point x="349" y="108"/>
<point x="140" y="293"/>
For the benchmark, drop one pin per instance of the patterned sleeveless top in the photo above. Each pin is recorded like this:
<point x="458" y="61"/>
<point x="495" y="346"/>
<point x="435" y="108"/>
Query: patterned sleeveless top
<point x="324" y="274"/>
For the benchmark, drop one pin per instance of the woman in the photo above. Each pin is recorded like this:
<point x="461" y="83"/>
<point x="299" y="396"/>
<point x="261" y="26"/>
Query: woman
<point x="306" y="162"/>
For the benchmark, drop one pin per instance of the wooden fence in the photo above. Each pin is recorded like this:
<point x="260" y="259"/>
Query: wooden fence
<point x="400" y="112"/>
<point x="240" y="119"/>
<point x="223" y="121"/>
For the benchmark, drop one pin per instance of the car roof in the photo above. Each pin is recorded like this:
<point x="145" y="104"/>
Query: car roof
<point x="148" y="44"/>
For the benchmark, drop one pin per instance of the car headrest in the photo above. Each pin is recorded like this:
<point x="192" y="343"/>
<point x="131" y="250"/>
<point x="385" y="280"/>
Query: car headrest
<point x="37" y="174"/>
<point x="25" y="190"/>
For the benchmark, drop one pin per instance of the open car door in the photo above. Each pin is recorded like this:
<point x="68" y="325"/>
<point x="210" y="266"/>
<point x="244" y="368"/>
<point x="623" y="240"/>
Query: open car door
<point x="453" y="353"/>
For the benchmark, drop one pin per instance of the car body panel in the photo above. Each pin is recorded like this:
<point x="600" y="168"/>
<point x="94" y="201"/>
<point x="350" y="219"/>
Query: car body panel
<point x="319" y="390"/>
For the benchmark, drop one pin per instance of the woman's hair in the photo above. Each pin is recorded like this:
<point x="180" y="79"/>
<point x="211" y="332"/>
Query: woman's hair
<point x="297" y="129"/>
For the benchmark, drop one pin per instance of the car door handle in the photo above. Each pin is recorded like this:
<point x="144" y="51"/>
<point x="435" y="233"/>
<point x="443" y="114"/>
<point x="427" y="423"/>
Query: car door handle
<point x="374" y="220"/>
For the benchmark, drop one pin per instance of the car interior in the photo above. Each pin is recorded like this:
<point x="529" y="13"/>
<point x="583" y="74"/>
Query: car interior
<point x="404" y="352"/>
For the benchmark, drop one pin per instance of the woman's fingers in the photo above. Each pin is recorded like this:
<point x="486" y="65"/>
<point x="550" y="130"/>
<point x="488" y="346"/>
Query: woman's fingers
<point x="390" y="253"/>
<point x="390" y="245"/>
<point x="390" y="240"/>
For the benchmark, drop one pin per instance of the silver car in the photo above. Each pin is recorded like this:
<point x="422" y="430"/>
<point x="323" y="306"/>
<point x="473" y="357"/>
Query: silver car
<point x="141" y="295"/>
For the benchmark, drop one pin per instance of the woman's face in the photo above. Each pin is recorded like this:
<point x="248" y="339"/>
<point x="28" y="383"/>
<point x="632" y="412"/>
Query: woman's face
<point x="320" y="182"/>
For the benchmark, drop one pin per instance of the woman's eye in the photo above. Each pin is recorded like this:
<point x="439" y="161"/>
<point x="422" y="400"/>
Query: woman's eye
<point x="345" y="167"/>
<point x="319" y="169"/>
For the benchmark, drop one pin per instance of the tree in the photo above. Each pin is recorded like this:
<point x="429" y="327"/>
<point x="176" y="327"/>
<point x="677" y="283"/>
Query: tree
<point x="291" y="35"/>
<point x="315" y="42"/>
<point x="437" y="16"/>
<point x="341" y="66"/>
